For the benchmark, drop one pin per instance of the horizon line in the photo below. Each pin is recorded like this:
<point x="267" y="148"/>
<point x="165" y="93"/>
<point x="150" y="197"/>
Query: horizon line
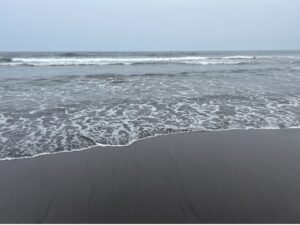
<point x="232" y="50"/>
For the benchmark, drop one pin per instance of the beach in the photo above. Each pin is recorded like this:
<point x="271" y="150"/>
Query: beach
<point x="147" y="112"/>
<point x="237" y="176"/>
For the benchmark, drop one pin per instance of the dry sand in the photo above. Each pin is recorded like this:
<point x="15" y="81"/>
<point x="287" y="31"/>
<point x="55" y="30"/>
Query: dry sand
<point x="211" y="177"/>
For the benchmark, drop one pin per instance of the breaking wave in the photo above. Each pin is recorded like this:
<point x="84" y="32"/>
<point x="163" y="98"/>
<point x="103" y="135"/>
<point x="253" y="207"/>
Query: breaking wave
<point x="71" y="59"/>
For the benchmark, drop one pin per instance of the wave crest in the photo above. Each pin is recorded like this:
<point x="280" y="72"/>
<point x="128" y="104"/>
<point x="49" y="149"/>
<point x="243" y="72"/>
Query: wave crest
<point x="70" y="59"/>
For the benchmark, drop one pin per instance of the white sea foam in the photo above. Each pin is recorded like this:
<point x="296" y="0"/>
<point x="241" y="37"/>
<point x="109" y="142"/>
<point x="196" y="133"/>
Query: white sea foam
<point x="238" y="57"/>
<point x="100" y="61"/>
<point x="141" y="139"/>
<point x="73" y="59"/>
<point x="124" y="121"/>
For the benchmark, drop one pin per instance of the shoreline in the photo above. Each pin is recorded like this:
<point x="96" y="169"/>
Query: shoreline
<point x="235" y="176"/>
<point x="144" y="138"/>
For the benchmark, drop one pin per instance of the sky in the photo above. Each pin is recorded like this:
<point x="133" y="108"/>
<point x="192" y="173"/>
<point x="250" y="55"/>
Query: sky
<point x="149" y="25"/>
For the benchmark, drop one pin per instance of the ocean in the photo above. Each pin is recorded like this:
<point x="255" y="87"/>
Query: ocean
<point x="64" y="101"/>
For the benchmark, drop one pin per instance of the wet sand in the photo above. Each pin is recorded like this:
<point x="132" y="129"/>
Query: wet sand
<point x="211" y="177"/>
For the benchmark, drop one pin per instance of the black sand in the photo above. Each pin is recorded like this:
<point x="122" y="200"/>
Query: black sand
<point x="212" y="177"/>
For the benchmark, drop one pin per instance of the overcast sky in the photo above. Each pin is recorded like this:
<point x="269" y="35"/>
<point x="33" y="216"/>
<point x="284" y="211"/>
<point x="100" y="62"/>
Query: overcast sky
<point x="136" y="25"/>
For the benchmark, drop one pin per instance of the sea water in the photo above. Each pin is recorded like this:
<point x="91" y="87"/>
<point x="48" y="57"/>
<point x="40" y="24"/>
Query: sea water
<point x="52" y="102"/>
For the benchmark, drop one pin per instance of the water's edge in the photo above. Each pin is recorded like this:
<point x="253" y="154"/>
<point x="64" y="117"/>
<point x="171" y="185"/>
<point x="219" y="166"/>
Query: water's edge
<point x="141" y="139"/>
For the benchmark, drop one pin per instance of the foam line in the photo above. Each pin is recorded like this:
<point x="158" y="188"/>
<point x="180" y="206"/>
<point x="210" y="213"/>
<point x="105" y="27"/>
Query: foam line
<point x="132" y="142"/>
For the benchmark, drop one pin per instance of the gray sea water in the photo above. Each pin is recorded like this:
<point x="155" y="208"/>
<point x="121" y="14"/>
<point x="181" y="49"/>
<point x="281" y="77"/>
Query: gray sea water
<point x="51" y="102"/>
